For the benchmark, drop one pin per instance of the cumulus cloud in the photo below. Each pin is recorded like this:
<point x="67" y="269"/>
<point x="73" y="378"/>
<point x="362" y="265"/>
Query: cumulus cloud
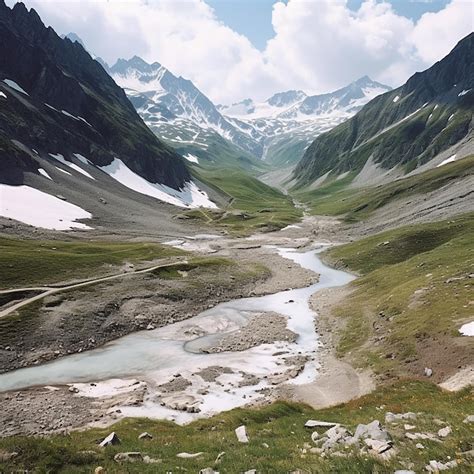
<point x="318" y="45"/>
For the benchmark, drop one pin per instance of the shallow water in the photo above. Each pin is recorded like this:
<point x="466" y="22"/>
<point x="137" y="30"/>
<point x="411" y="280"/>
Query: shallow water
<point x="155" y="356"/>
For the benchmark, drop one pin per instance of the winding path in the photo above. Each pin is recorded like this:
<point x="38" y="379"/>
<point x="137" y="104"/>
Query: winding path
<point x="50" y="290"/>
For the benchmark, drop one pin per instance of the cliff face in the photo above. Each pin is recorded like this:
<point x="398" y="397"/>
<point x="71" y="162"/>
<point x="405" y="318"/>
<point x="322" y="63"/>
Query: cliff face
<point x="57" y="99"/>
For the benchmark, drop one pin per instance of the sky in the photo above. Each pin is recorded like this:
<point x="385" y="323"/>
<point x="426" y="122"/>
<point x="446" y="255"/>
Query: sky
<point x="234" y="49"/>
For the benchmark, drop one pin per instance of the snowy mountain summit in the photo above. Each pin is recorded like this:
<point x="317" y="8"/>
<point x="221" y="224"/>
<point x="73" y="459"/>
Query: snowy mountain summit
<point x="278" y="129"/>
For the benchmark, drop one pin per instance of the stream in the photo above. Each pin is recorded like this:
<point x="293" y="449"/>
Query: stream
<point x="160" y="355"/>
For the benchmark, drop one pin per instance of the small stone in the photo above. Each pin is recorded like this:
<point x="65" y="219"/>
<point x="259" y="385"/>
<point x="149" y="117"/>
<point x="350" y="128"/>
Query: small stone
<point x="241" y="434"/>
<point x="189" y="455"/>
<point x="219" y="457"/>
<point x="208" y="470"/>
<point x="150" y="327"/>
<point x="469" y="419"/>
<point x="320" y="424"/>
<point x="6" y="456"/>
<point x="99" y="470"/>
<point x="409" y="427"/>
<point x="134" y="456"/>
<point x="314" y="436"/>
<point x="428" y="372"/>
<point x="145" y="435"/>
<point x="443" y="432"/>
<point x="111" y="439"/>
<point x="73" y="389"/>
<point x="419" y="446"/>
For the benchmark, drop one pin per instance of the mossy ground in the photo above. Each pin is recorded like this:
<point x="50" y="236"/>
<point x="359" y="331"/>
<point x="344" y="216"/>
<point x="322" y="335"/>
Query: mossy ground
<point x="252" y="206"/>
<point x="40" y="262"/>
<point x="415" y="288"/>
<point x="280" y="426"/>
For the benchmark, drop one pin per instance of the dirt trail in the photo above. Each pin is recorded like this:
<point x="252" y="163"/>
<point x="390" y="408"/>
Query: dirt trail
<point x="53" y="290"/>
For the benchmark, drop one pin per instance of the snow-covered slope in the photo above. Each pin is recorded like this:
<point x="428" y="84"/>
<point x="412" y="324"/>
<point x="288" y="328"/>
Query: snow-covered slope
<point x="174" y="108"/>
<point x="289" y="121"/>
<point x="277" y="130"/>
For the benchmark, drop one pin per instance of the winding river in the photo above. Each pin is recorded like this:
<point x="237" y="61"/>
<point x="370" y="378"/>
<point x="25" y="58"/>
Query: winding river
<point x="159" y="355"/>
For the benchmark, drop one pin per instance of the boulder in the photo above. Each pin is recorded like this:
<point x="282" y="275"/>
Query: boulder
<point x="373" y="430"/>
<point x="377" y="446"/>
<point x="241" y="434"/>
<point x="111" y="439"/>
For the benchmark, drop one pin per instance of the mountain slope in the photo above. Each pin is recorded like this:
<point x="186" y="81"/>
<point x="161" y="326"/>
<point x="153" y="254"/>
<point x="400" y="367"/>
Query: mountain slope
<point x="406" y="127"/>
<point x="69" y="105"/>
<point x="174" y="108"/>
<point x="287" y="122"/>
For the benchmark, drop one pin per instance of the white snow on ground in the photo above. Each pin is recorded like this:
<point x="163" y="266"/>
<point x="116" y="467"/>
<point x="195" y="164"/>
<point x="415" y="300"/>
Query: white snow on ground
<point x="65" y="112"/>
<point x="2" y="94"/>
<point x="82" y="159"/>
<point x="447" y="160"/>
<point x="450" y="117"/>
<point x="467" y="329"/>
<point x="191" y="158"/>
<point x="15" y="86"/>
<point x="463" y="92"/>
<point x="396" y="99"/>
<point x="62" y="160"/>
<point x="63" y="171"/>
<point x="33" y="207"/>
<point x="189" y="196"/>
<point x="44" y="173"/>
<point x="51" y="107"/>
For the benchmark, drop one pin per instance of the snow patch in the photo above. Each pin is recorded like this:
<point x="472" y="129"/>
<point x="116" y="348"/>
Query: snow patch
<point x="450" y="117"/>
<point x="15" y="86"/>
<point x="189" y="196"/>
<point x="82" y="159"/>
<point x="192" y="158"/>
<point x="467" y="329"/>
<point x="447" y="160"/>
<point x="63" y="171"/>
<point x="22" y="203"/>
<point x="463" y="92"/>
<point x="62" y="160"/>
<point x="67" y="114"/>
<point x="396" y="99"/>
<point x="44" y="173"/>
<point x="2" y="94"/>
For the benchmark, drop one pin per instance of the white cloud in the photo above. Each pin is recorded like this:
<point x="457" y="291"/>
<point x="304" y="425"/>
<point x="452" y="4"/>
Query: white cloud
<point x="318" y="45"/>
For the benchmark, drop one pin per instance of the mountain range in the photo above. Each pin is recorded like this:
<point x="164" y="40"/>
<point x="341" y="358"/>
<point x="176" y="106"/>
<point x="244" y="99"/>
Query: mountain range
<point x="405" y="128"/>
<point x="69" y="137"/>
<point x="277" y="130"/>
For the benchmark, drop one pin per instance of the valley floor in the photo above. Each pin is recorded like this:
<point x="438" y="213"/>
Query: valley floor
<point x="220" y="268"/>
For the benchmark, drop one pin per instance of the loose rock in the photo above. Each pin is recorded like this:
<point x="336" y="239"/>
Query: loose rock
<point x="241" y="434"/>
<point x="134" y="456"/>
<point x="443" y="432"/>
<point x="145" y="435"/>
<point x="189" y="455"/>
<point x="319" y="424"/>
<point x="111" y="439"/>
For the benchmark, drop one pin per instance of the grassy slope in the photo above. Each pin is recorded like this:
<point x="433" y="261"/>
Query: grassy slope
<point x="405" y="298"/>
<point x="253" y="204"/>
<point x="280" y="425"/>
<point x="40" y="262"/>
<point x="335" y="198"/>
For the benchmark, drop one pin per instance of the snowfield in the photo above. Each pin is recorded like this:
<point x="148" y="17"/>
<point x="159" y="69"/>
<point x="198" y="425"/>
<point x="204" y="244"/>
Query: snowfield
<point x="33" y="207"/>
<point x="192" y="158"/>
<point x="62" y="160"/>
<point x="447" y="160"/>
<point x="467" y="329"/>
<point x="15" y="86"/>
<point x="189" y="196"/>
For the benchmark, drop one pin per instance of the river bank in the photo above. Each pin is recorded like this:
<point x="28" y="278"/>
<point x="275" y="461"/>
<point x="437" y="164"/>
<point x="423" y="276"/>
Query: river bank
<point x="206" y="387"/>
